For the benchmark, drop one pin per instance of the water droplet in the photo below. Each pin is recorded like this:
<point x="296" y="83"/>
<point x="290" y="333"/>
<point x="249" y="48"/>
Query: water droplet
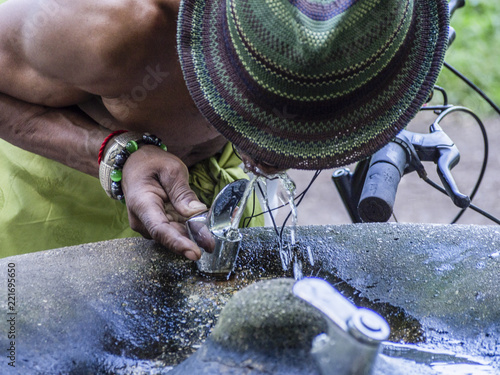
<point x="310" y="256"/>
<point x="495" y="255"/>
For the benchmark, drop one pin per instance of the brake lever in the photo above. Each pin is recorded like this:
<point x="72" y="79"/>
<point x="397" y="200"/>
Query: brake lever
<point x="438" y="147"/>
<point x="453" y="5"/>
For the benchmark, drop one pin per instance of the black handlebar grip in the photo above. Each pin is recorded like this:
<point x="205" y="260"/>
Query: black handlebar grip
<point x="382" y="179"/>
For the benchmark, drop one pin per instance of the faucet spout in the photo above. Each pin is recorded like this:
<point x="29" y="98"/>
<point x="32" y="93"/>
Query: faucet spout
<point x="354" y="335"/>
<point x="215" y="231"/>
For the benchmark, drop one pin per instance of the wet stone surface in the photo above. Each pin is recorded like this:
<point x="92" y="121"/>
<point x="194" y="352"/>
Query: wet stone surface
<point x="129" y="306"/>
<point x="264" y="329"/>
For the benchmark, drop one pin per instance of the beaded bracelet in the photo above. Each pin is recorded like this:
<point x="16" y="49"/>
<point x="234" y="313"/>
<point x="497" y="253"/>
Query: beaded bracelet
<point x="110" y="168"/>
<point x="105" y="143"/>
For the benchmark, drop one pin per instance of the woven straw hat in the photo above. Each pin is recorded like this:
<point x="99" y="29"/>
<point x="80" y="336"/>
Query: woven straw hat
<point x="311" y="84"/>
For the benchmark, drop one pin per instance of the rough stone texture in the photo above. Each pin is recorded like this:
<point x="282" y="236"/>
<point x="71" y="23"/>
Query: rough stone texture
<point x="263" y="329"/>
<point x="267" y="316"/>
<point x="446" y="277"/>
<point x="129" y="306"/>
<point x="108" y="308"/>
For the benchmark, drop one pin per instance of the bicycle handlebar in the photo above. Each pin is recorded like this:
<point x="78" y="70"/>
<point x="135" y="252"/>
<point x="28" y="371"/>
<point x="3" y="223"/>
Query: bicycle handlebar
<point x="453" y="5"/>
<point x="386" y="168"/>
<point x="402" y="155"/>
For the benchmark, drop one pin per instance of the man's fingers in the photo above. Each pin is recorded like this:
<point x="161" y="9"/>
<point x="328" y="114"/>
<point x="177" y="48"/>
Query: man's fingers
<point x="159" y="199"/>
<point x="181" y="197"/>
<point x="137" y="226"/>
<point x="172" y="214"/>
<point x="153" y="223"/>
<point x="202" y="235"/>
<point x="152" y="166"/>
<point x="169" y="236"/>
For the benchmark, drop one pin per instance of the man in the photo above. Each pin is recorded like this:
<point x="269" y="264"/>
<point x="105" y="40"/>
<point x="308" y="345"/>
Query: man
<point x="290" y="83"/>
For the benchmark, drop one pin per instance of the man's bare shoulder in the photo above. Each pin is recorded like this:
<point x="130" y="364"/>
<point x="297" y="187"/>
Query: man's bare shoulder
<point x="87" y="44"/>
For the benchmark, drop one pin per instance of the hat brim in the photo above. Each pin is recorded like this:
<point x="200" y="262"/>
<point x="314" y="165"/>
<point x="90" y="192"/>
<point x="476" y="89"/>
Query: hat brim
<point x="273" y="129"/>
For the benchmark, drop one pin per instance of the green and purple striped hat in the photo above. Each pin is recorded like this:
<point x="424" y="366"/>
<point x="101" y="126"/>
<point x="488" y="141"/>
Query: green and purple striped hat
<point x="311" y="84"/>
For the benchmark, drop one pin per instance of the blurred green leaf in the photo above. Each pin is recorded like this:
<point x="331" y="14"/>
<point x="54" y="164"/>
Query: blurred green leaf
<point x="475" y="53"/>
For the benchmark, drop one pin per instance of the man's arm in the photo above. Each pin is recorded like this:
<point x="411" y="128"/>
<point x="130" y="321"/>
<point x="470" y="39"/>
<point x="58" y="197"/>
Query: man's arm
<point x="57" y="52"/>
<point x="54" y="55"/>
<point x="151" y="179"/>
<point x="66" y="135"/>
<point x="79" y="51"/>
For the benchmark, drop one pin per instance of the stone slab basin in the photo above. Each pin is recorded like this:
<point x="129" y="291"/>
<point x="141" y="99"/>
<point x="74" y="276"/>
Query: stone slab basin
<point x="129" y="306"/>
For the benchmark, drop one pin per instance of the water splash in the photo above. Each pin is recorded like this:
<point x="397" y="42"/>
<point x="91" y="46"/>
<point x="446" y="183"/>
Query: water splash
<point x="286" y="195"/>
<point x="233" y="230"/>
<point x="297" y="268"/>
<point x="289" y="251"/>
<point x="442" y="362"/>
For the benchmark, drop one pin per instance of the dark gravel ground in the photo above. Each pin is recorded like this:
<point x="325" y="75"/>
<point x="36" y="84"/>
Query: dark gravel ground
<point x="417" y="202"/>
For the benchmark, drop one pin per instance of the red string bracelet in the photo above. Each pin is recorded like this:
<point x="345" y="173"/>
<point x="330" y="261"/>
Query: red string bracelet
<point x="105" y="142"/>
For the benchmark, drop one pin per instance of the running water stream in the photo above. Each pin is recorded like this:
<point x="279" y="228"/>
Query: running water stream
<point x="288" y="250"/>
<point x="233" y="233"/>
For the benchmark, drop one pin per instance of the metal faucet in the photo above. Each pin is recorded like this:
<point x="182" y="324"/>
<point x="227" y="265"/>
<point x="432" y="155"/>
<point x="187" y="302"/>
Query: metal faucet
<point x="214" y="231"/>
<point x="354" y="335"/>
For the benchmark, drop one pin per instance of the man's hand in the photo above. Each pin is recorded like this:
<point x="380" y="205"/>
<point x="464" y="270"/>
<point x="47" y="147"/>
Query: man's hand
<point x="159" y="199"/>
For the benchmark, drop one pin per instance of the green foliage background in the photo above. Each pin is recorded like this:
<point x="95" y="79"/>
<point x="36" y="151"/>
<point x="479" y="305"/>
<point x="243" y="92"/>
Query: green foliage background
<point x="475" y="53"/>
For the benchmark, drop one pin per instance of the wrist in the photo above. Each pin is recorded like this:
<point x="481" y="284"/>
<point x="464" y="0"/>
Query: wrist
<point x="115" y="151"/>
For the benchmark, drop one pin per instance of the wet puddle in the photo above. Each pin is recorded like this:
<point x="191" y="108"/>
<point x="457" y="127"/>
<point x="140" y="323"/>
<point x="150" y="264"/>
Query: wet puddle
<point x="442" y="363"/>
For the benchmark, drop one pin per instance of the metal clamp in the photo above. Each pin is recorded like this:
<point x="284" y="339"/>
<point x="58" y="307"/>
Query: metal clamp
<point x="354" y="335"/>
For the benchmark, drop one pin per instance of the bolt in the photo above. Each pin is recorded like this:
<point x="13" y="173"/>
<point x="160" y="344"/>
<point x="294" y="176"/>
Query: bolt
<point x="371" y="322"/>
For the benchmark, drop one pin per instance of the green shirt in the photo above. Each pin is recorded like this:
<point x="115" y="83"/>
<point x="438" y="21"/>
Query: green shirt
<point x="46" y="205"/>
